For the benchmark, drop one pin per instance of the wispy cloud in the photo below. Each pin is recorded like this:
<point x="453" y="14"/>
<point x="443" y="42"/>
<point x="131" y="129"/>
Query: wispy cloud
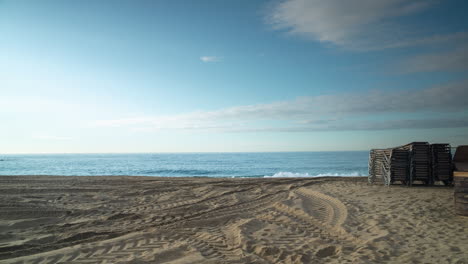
<point x="325" y="112"/>
<point x="52" y="138"/>
<point x="355" y="125"/>
<point x="353" y="24"/>
<point x="452" y="60"/>
<point x="390" y="124"/>
<point x="210" y="58"/>
<point x="363" y="25"/>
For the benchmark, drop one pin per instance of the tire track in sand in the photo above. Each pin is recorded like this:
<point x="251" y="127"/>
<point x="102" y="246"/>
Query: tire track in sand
<point x="336" y="212"/>
<point x="123" y="248"/>
<point x="324" y="222"/>
<point x="295" y="227"/>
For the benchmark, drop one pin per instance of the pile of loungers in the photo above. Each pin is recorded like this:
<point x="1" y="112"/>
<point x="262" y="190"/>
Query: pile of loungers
<point x="416" y="162"/>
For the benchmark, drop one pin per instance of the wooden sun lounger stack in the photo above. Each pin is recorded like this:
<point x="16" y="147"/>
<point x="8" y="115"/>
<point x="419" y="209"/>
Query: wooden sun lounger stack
<point x="441" y="163"/>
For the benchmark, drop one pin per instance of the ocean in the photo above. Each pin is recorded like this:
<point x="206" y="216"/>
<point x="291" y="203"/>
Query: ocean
<point x="278" y="164"/>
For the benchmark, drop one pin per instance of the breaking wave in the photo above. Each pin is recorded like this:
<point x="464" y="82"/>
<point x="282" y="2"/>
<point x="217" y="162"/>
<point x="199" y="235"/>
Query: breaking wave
<point x="287" y="174"/>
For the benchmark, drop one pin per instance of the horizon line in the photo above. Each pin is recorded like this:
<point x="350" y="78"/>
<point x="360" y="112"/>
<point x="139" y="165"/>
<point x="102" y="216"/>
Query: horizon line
<point x="173" y="152"/>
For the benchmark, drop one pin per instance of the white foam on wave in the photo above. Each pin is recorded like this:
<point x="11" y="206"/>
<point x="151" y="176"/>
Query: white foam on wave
<point x="287" y="174"/>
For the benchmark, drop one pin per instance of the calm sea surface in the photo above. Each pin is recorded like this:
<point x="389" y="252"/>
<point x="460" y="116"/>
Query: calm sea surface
<point x="282" y="164"/>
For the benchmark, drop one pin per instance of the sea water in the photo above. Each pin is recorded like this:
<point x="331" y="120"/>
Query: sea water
<point x="280" y="164"/>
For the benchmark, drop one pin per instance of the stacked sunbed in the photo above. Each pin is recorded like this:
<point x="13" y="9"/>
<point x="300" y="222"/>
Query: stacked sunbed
<point x="379" y="165"/>
<point x="416" y="162"/>
<point x="399" y="166"/>
<point x="420" y="162"/>
<point x="441" y="163"/>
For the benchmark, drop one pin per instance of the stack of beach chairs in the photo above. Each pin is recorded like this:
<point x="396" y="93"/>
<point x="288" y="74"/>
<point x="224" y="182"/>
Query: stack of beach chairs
<point x="399" y="168"/>
<point x="379" y="165"/>
<point x="442" y="163"/>
<point x="420" y="162"/>
<point x="416" y="162"/>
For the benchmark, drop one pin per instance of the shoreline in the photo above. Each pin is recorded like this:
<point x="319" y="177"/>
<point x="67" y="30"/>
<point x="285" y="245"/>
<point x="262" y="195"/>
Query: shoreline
<point x="193" y="177"/>
<point x="146" y="219"/>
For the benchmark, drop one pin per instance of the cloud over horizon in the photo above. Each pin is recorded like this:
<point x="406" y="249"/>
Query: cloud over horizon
<point x="325" y="112"/>
<point x="51" y="137"/>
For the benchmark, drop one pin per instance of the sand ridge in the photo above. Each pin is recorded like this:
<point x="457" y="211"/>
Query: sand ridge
<point x="46" y="219"/>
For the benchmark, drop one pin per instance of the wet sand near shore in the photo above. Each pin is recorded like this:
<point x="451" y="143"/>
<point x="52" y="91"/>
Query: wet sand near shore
<point x="51" y="219"/>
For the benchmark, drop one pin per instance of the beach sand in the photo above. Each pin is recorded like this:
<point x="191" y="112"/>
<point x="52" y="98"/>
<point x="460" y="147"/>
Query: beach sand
<point x="211" y="220"/>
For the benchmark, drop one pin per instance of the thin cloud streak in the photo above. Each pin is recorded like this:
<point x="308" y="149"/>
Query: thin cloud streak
<point x="334" y="112"/>
<point x="52" y="138"/>
<point x="210" y="59"/>
<point x="453" y="60"/>
<point x="365" y="125"/>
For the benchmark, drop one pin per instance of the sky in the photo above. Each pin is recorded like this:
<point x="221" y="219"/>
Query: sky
<point x="231" y="76"/>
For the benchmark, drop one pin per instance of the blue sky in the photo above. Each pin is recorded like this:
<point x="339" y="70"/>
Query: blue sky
<point x="203" y="76"/>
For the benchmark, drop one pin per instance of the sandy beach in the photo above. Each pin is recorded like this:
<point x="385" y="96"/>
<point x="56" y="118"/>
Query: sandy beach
<point x="46" y="219"/>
